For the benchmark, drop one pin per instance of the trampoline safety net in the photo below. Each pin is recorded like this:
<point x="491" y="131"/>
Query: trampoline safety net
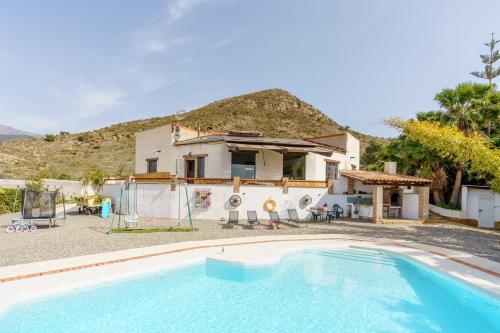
<point x="39" y="205"/>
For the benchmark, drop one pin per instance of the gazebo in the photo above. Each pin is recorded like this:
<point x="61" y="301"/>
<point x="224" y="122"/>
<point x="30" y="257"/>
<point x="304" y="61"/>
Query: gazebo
<point x="387" y="190"/>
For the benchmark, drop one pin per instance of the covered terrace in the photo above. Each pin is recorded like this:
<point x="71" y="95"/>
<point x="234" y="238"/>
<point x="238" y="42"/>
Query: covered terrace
<point x="395" y="197"/>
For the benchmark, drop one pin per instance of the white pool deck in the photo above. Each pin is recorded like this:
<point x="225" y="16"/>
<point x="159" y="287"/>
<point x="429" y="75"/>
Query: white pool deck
<point x="26" y="282"/>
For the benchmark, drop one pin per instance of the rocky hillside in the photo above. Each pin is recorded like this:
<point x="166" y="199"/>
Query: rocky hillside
<point x="111" y="149"/>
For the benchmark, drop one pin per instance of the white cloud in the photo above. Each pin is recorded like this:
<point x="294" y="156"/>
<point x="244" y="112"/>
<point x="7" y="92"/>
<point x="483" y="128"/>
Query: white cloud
<point x="155" y="36"/>
<point x="178" y="8"/>
<point x="92" y="101"/>
<point x="82" y="100"/>
<point x="151" y="45"/>
<point x="224" y="42"/>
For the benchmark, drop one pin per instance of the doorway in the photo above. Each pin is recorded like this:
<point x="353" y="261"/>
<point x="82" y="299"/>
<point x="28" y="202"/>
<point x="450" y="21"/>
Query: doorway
<point x="486" y="211"/>
<point x="190" y="168"/>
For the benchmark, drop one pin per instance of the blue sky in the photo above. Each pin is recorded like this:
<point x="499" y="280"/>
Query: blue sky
<point x="79" y="65"/>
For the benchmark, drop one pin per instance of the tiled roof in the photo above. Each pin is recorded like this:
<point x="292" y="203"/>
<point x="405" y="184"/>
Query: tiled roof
<point x="382" y="178"/>
<point x="249" y="139"/>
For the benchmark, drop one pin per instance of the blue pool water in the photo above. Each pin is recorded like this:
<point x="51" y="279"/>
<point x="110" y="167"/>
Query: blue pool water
<point x="311" y="291"/>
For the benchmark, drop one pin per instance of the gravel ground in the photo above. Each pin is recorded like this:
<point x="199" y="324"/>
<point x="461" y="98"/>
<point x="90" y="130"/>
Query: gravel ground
<point x="82" y="235"/>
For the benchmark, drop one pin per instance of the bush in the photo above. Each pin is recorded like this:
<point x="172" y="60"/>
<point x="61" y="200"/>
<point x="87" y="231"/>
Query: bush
<point x="7" y="199"/>
<point x="35" y="183"/>
<point x="49" y="137"/>
<point x="83" y="137"/>
<point x="64" y="176"/>
<point x="449" y="206"/>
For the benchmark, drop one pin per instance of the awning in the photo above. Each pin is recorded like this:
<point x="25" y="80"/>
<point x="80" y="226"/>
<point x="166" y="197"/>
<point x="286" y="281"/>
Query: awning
<point x="382" y="178"/>
<point x="280" y="149"/>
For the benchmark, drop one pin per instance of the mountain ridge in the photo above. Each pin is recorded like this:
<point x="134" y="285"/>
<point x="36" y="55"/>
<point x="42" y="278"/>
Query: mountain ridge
<point x="11" y="133"/>
<point x="275" y="112"/>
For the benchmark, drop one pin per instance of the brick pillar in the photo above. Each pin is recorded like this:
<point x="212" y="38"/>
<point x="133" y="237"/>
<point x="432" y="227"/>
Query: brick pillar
<point x="378" y="200"/>
<point x="236" y="184"/>
<point x="173" y="179"/>
<point x="350" y="186"/>
<point x="329" y="184"/>
<point x="284" y="182"/>
<point x="423" y="203"/>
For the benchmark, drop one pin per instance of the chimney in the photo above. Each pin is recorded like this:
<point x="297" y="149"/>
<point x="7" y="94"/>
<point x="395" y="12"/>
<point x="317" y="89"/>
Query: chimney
<point x="390" y="168"/>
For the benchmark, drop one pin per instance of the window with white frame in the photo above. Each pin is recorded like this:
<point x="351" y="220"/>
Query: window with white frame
<point x="332" y="170"/>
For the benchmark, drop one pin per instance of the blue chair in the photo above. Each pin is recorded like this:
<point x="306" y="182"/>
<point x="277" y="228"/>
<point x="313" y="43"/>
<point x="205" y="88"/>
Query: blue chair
<point x="315" y="215"/>
<point x="339" y="211"/>
<point x="331" y="215"/>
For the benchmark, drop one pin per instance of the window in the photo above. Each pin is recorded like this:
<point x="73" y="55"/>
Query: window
<point x="332" y="170"/>
<point x="294" y="166"/>
<point x="152" y="165"/>
<point x="200" y="167"/>
<point x="243" y="165"/>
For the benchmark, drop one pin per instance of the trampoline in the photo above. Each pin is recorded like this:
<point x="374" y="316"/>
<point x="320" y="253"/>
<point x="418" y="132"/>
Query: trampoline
<point x="39" y="206"/>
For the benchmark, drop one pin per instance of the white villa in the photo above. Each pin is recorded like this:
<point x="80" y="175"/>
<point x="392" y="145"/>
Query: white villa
<point x="210" y="168"/>
<point x="191" y="154"/>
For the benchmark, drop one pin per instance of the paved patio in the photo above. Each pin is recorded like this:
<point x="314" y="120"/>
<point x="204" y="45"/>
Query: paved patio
<point x="83" y="235"/>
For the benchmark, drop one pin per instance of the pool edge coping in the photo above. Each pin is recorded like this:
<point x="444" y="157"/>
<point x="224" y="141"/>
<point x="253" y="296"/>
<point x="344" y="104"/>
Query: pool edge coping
<point x="468" y="271"/>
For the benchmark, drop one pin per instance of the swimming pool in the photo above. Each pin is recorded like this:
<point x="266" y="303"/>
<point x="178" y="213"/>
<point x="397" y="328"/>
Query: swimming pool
<point x="316" y="290"/>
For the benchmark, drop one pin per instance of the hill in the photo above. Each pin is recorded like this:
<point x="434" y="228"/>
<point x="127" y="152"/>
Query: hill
<point x="11" y="133"/>
<point x="275" y="112"/>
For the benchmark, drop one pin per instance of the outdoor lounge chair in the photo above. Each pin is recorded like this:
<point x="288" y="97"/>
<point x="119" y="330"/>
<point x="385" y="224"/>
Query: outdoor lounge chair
<point x="252" y="218"/>
<point x="233" y="218"/>
<point x="293" y="215"/>
<point x="274" y="216"/>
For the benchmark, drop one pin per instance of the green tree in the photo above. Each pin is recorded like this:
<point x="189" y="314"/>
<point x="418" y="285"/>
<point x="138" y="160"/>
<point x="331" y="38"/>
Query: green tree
<point x="415" y="159"/>
<point x="489" y="72"/>
<point x="490" y="113"/>
<point x="371" y="156"/>
<point x="450" y="143"/>
<point x="461" y="105"/>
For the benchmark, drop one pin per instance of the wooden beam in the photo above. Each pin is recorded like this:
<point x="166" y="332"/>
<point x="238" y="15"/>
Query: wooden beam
<point x="285" y="185"/>
<point x="330" y="186"/>
<point x="236" y="184"/>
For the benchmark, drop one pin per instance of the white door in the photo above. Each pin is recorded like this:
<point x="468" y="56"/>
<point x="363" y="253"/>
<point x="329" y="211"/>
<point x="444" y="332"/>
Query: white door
<point x="486" y="214"/>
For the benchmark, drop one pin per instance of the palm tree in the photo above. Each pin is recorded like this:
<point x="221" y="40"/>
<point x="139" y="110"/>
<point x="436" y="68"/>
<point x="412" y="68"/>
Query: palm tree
<point x="462" y="106"/>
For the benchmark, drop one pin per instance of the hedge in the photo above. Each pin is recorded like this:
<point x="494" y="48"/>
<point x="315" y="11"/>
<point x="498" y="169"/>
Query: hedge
<point x="7" y="198"/>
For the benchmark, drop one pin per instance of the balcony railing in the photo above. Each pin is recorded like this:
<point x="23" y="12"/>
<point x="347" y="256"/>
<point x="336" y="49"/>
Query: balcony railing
<point x="236" y="182"/>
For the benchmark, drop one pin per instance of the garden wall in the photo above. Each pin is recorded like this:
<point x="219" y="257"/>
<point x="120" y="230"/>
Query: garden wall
<point x="157" y="200"/>
<point x="69" y="187"/>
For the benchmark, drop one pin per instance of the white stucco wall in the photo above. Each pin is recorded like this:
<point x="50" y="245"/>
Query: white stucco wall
<point x="69" y="187"/>
<point x="217" y="161"/>
<point x="158" y="143"/>
<point x="352" y="150"/>
<point x="156" y="200"/>
<point x="410" y="206"/>
<point x="315" y="167"/>
<point x="470" y="196"/>
<point x="268" y="165"/>
<point x="154" y="143"/>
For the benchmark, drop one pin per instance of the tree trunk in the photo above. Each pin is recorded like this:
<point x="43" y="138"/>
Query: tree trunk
<point x="437" y="198"/>
<point x="457" y="185"/>
<point x="441" y="196"/>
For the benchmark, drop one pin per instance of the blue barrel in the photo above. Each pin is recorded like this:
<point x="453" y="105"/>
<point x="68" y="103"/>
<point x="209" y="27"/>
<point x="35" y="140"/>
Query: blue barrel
<point x="106" y="208"/>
